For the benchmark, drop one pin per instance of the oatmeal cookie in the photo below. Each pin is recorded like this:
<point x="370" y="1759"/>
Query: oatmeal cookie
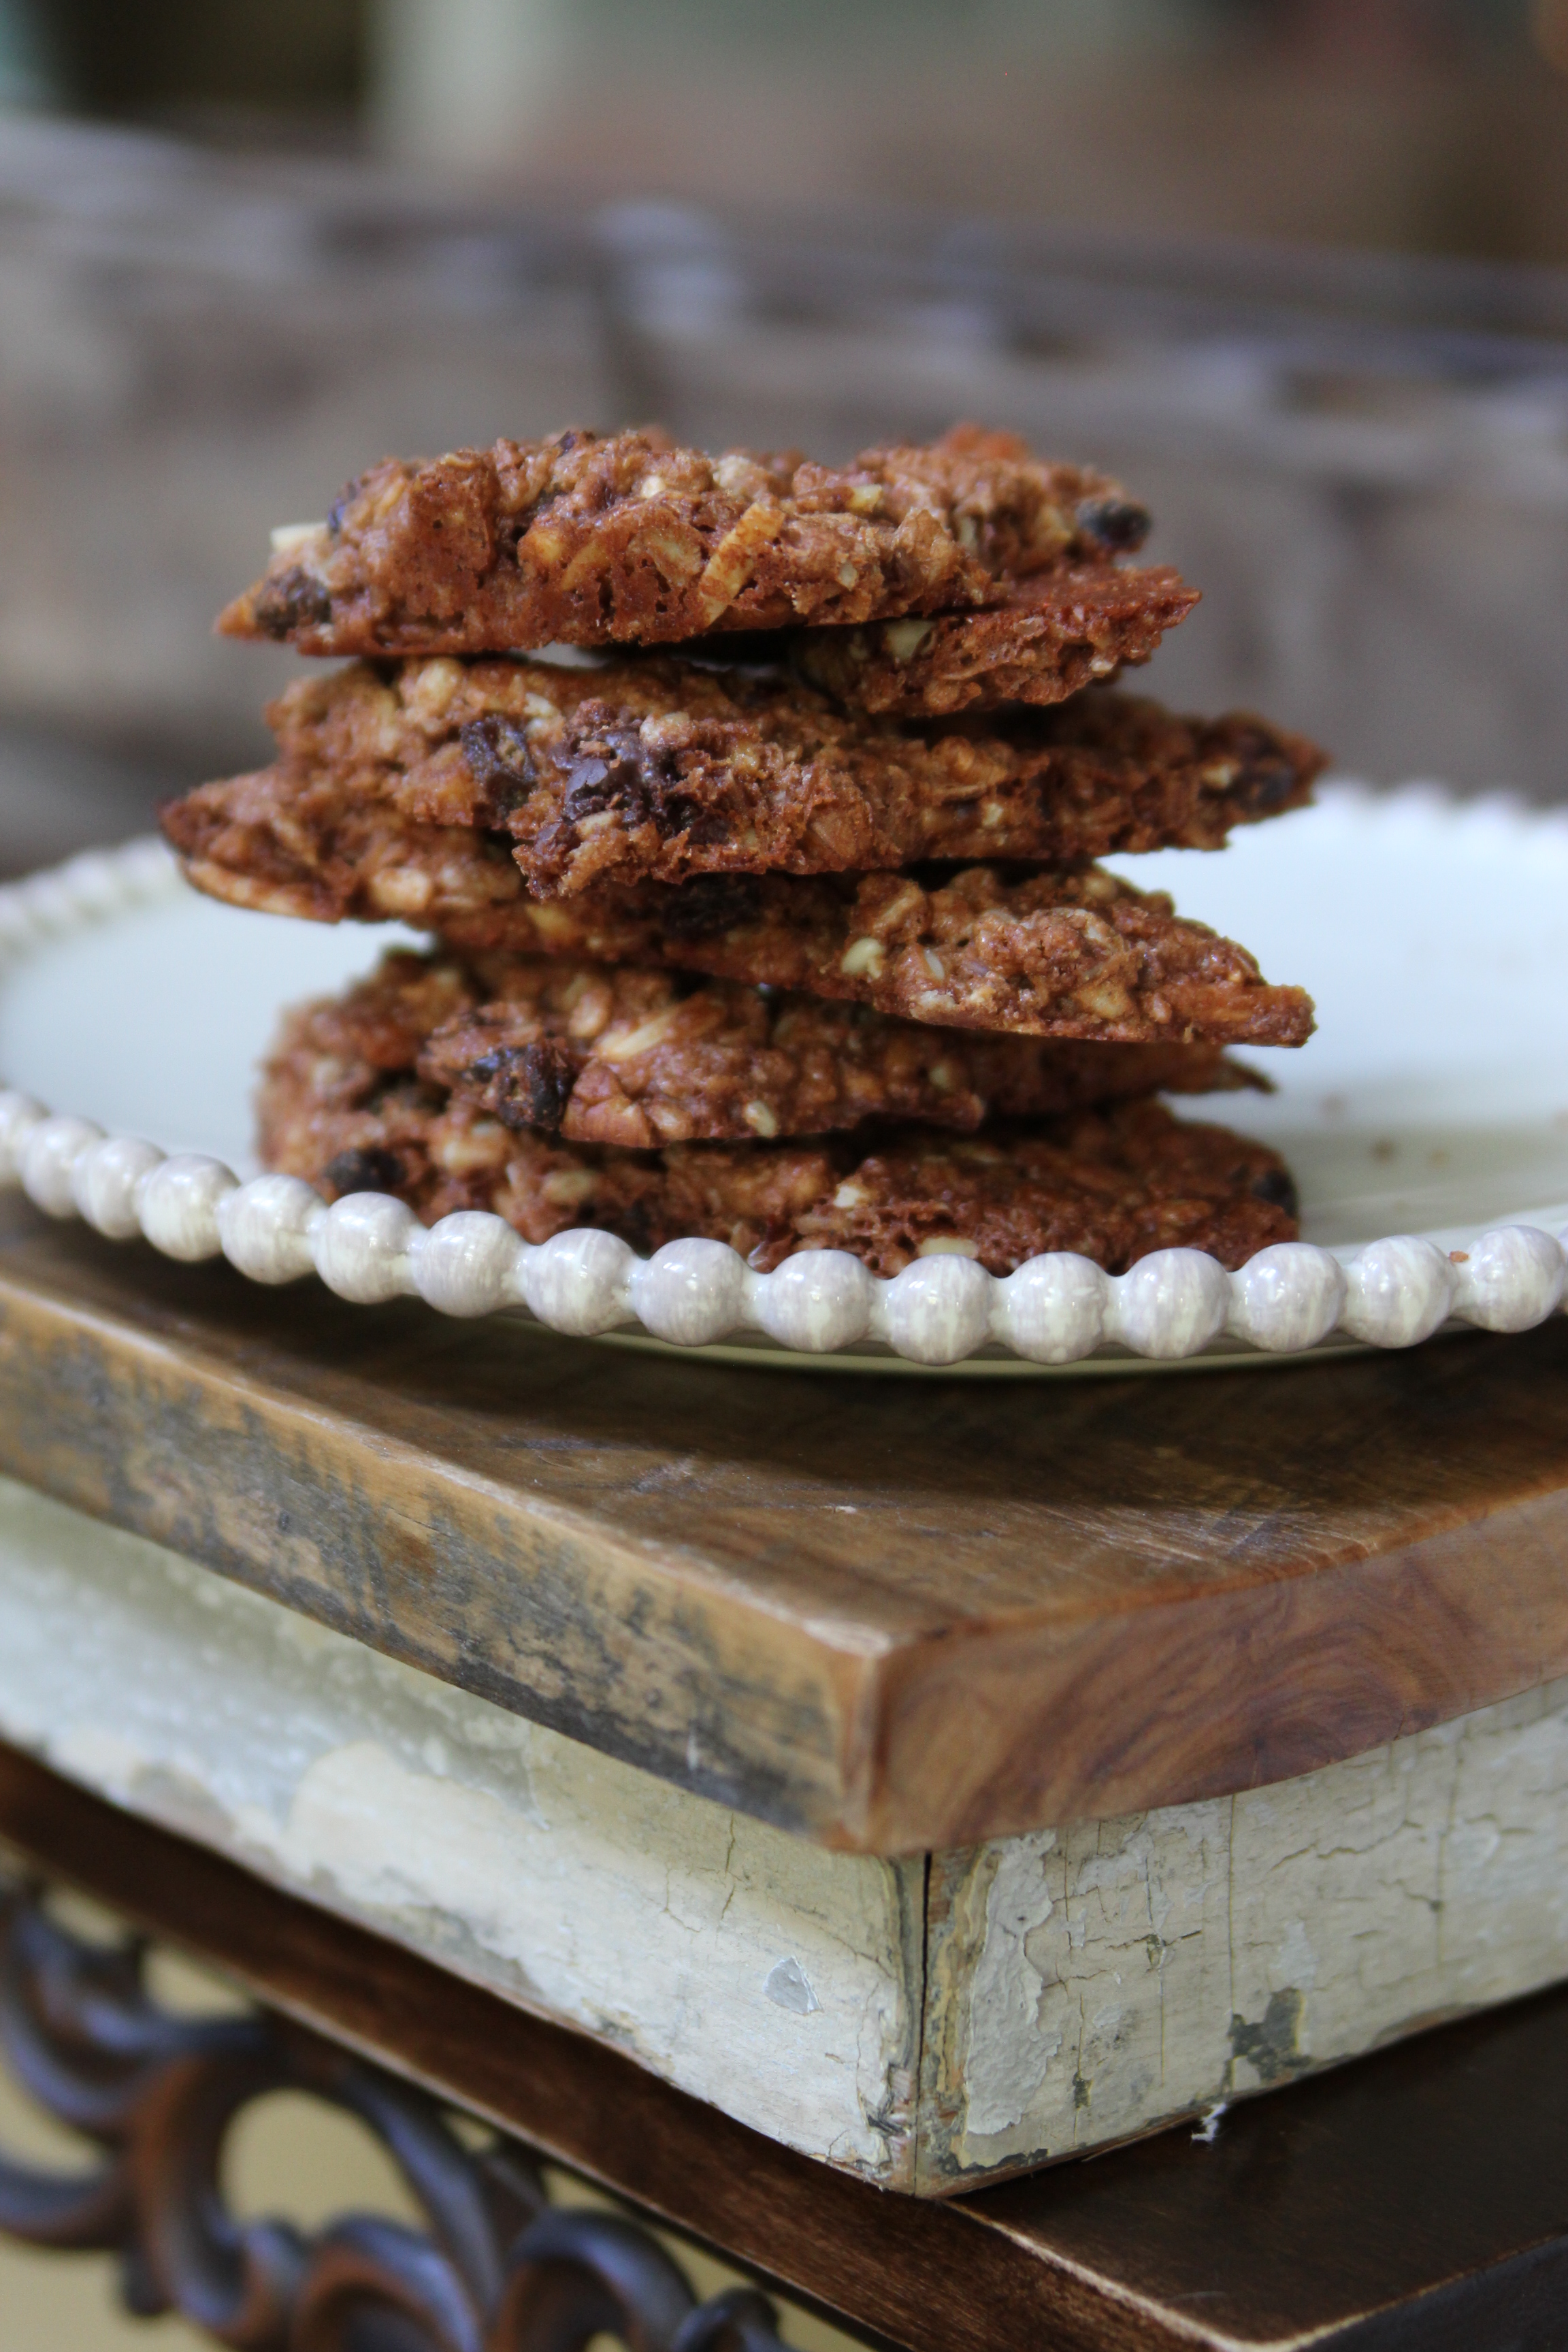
<point x="602" y="1054"/>
<point x="1079" y="954"/>
<point x="1110" y="1183"/>
<point x="661" y="771"/>
<point x="587" y="539"/>
<point x="1047" y="639"/>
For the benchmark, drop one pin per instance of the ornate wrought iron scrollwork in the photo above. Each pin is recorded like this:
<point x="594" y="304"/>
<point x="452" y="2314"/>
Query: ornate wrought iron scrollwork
<point x="497" y="2269"/>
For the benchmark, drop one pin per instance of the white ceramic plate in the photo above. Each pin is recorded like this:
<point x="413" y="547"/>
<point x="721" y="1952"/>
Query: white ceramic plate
<point x="1433" y="1102"/>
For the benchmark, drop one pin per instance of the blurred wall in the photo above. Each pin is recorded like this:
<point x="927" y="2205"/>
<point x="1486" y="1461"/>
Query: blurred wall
<point x="308" y="58"/>
<point x="316" y="232"/>
<point x="288" y="2157"/>
<point x="1362" y="463"/>
<point x="1434" y="125"/>
<point x="1428" y="125"/>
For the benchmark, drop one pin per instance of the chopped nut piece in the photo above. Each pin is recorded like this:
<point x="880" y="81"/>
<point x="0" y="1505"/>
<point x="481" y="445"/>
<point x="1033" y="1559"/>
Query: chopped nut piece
<point x="288" y="537"/>
<point x="902" y="640"/>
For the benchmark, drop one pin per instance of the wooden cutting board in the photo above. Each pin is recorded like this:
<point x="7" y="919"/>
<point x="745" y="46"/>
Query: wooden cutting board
<point x="894" y="1615"/>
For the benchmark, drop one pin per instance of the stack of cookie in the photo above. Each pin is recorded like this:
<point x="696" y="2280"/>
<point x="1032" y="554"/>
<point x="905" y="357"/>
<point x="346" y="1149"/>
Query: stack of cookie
<point x="789" y="933"/>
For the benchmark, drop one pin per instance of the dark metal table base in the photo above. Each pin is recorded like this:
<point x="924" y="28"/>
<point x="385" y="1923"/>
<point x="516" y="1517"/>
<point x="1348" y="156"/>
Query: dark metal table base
<point x="496" y="2269"/>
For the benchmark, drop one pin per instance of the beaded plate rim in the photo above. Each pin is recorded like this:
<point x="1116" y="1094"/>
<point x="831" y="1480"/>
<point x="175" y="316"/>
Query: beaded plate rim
<point x="820" y="1310"/>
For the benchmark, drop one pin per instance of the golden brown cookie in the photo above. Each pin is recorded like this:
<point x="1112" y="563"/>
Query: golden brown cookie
<point x="1050" y="636"/>
<point x="1080" y="954"/>
<point x="1110" y="1183"/>
<point x="586" y="539"/>
<point x="659" y="770"/>
<point x="607" y="1054"/>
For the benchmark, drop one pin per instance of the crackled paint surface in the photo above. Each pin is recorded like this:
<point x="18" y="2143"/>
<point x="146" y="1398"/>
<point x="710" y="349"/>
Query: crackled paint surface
<point x="754" y="1969"/>
<point x="1085" y="1982"/>
<point x="1077" y="1985"/>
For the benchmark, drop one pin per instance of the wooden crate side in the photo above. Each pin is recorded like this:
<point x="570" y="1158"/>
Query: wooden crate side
<point x="772" y="1979"/>
<point x="1088" y="1983"/>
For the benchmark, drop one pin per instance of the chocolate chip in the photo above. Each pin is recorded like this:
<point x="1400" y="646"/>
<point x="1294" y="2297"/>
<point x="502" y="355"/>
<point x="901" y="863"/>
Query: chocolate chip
<point x="634" y="1226"/>
<point x="1265" y="779"/>
<point x="614" y="769"/>
<point x="709" y="903"/>
<point x="1117" y="524"/>
<point x="372" y="1170"/>
<point x="594" y="785"/>
<point x="1275" y="1186"/>
<point x="499" y="760"/>
<point x="526" y="1085"/>
<point x="341" y="504"/>
<point x="294" y="600"/>
<point x="1267" y="784"/>
<point x="704" y="828"/>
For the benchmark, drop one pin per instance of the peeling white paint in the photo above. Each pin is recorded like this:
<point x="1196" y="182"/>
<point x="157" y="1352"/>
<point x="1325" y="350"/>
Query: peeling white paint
<point x="1187" y="1954"/>
<point x="567" y="1881"/>
<point x="1295" y="1962"/>
<point x="1007" y="2056"/>
<point x="789" y="1985"/>
<point x="1078" y="1984"/>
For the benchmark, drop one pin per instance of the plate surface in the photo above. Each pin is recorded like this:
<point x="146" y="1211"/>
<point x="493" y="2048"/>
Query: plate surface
<point x="1433" y="1100"/>
<point x="1433" y="936"/>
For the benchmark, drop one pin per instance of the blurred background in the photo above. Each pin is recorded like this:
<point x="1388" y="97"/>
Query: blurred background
<point x="287" y="2156"/>
<point x="1297" y="269"/>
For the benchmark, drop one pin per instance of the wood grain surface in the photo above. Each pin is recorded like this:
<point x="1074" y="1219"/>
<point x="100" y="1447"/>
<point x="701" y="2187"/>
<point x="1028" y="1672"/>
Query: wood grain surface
<point x="894" y="1615"/>
<point x="1414" y="2199"/>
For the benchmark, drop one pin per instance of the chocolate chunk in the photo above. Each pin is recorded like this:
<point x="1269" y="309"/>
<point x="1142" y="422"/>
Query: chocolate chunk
<point x="709" y="904"/>
<point x="498" y="757"/>
<point x="376" y="1170"/>
<point x="594" y="785"/>
<point x="293" y="600"/>
<point x="615" y="769"/>
<point x="1277" y="1186"/>
<point x="1117" y="524"/>
<point x="526" y="1085"/>
<point x="342" y="503"/>
<point x="1265" y="779"/>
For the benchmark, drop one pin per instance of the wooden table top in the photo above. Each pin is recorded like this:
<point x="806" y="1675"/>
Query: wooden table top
<point x="895" y="1615"/>
<point x="1415" y="2199"/>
